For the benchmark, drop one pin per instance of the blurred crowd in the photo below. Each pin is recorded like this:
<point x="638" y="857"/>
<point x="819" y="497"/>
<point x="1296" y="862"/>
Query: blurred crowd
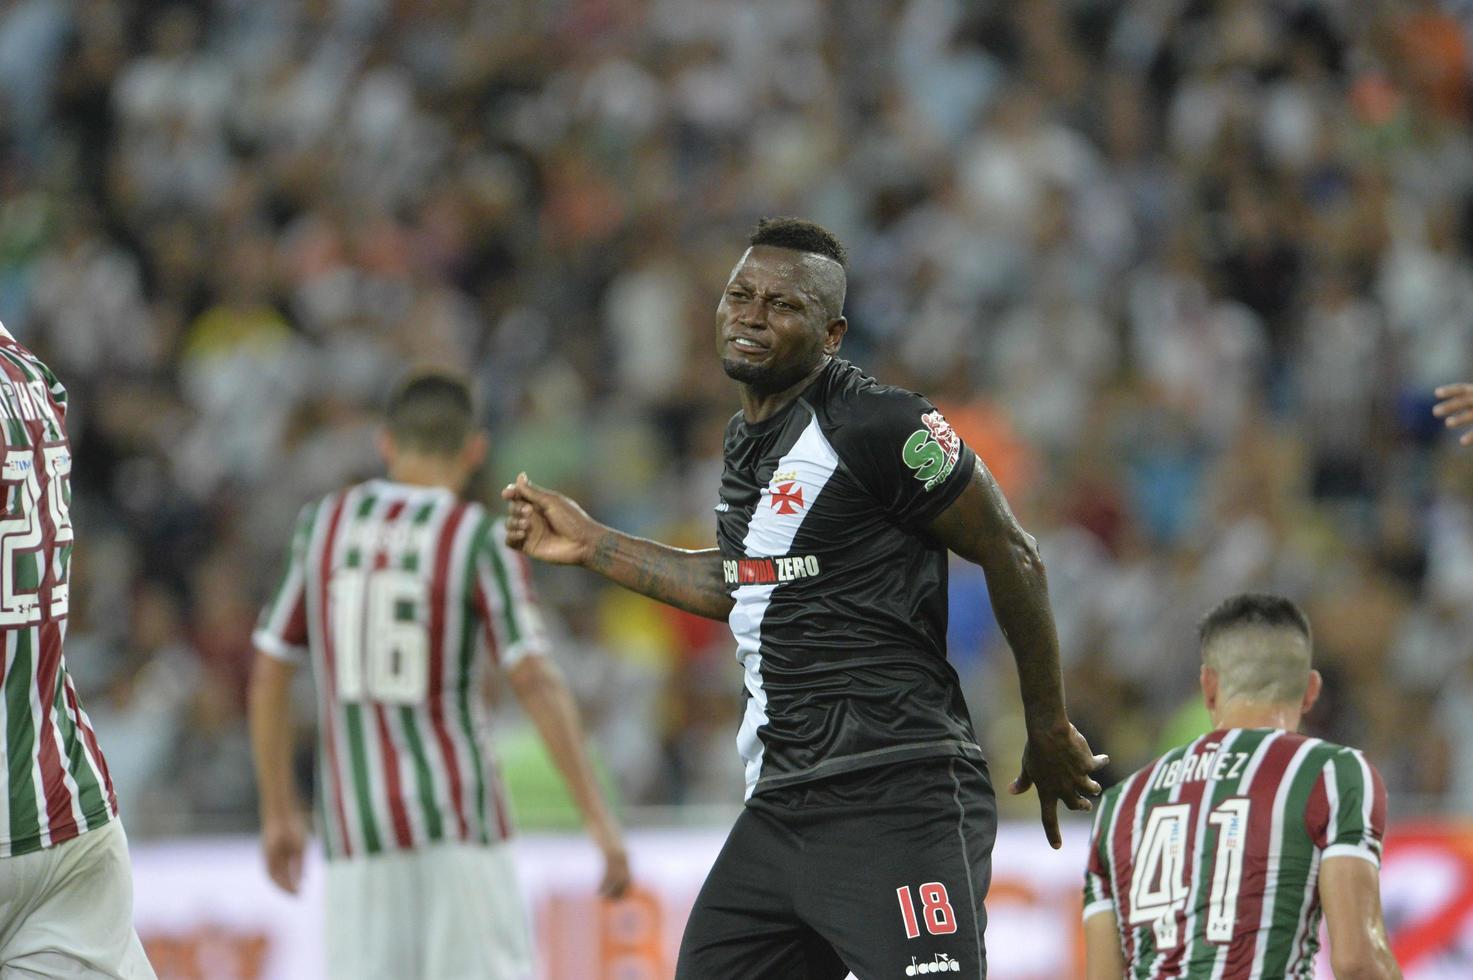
<point x="1184" y="272"/>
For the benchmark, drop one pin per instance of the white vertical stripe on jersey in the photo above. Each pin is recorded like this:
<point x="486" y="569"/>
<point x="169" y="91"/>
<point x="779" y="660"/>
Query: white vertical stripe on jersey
<point x="1275" y="851"/>
<point x="38" y="732"/>
<point x="770" y="534"/>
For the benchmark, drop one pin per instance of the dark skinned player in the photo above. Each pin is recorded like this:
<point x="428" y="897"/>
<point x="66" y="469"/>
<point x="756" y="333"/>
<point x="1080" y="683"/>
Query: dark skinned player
<point x="866" y="841"/>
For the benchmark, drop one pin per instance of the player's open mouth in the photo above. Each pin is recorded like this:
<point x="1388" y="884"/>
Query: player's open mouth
<point x="747" y="346"/>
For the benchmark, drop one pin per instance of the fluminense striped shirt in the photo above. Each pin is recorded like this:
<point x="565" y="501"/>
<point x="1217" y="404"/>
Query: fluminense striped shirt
<point x="396" y="593"/>
<point x="1210" y="856"/>
<point x="54" y="783"/>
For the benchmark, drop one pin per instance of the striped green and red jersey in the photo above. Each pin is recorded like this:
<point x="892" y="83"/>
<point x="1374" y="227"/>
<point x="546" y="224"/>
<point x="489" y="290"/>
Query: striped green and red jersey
<point x="1210" y="856"/>
<point x="54" y="783"/>
<point x="397" y="594"/>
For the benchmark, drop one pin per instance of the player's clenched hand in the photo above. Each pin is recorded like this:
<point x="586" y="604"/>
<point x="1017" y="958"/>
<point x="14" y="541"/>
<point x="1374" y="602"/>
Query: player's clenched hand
<point x="1455" y="408"/>
<point x="284" y="839"/>
<point x="616" y="878"/>
<point x="1058" y="762"/>
<point x="547" y="525"/>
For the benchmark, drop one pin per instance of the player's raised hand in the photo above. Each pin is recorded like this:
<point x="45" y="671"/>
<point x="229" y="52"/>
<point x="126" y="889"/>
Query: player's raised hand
<point x="1455" y="408"/>
<point x="284" y="840"/>
<point x="617" y="878"/>
<point x="547" y="525"/>
<point x="1058" y="762"/>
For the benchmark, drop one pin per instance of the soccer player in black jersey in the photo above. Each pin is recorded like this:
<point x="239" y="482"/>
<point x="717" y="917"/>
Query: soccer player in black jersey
<point x="866" y="841"/>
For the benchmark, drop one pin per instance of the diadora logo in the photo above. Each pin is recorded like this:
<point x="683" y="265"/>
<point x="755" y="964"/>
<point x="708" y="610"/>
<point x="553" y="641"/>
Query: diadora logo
<point x="940" y="963"/>
<point x="786" y="499"/>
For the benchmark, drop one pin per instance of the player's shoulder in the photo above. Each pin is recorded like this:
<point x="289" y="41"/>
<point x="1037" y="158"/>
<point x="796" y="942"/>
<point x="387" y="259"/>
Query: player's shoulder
<point x="844" y="393"/>
<point x="855" y="409"/>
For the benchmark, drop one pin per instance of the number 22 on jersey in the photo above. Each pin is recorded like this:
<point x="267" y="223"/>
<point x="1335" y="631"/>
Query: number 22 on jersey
<point x="380" y="641"/>
<point x="1159" y="888"/>
<point x="22" y="535"/>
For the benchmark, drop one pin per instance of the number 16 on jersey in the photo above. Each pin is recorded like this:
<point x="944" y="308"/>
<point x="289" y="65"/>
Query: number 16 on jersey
<point x="380" y="639"/>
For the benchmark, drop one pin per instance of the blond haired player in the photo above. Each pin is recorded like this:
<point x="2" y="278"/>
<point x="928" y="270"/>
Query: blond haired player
<point x="1216" y="861"/>
<point x="401" y="594"/>
<point x="66" y="891"/>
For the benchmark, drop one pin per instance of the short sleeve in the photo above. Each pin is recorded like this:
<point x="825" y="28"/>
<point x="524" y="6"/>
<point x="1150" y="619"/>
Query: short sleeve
<point x="1347" y="808"/>
<point x="512" y="619"/>
<point x="281" y="630"/>
<point x="1099" y="893"/>
<point x="904" y="452"/>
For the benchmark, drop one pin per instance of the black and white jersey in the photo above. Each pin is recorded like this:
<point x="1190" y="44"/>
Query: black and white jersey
<point x="840" y="615"/>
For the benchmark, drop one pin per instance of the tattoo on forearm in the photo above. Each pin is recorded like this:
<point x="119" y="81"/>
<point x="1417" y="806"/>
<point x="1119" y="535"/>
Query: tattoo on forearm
<point x="688" y="580"/>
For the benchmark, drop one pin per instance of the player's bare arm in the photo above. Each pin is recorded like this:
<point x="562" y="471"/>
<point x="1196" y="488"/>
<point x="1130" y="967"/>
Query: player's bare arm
<point x="1102" y="956"/>
<point x="548" y="526"/>
<point x="1455" y="408"/>
<point x="283" y="825"/>
<point x="980" y="527"/>
<point x="543" y="693"/>
<point x="1350" y="888"/>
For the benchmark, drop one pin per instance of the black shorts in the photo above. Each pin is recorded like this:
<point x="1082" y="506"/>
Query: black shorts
<point x="880" y="872"/>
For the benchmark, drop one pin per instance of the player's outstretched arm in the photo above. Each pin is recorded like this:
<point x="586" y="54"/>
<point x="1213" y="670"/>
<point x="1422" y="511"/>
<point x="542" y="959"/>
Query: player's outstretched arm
<point x="1103" y="959"/>
<point x="283" y="826"/>
<point x="1350" y="888"/>
<point x="549" y="526"/>
<point x="980" y="527"/>
<point x="1455" y="408"/>
<point x="543" y="693"/>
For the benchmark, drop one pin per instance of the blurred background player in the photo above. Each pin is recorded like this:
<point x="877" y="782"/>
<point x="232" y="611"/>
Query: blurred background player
<point x="1455" y="408"/>
<point x="66" y="891"/>
<point x="838" y="504"/>
<point x="1218" y="859"/>
<point x="395" y="589"/>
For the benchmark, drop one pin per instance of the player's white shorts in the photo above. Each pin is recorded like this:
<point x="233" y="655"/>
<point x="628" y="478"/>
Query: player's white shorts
<point x="67" y="912"/>
<point x="450" y="911"/>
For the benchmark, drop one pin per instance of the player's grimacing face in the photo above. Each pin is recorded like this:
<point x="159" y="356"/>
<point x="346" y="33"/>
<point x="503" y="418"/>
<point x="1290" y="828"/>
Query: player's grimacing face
<point x="771" y="322"/>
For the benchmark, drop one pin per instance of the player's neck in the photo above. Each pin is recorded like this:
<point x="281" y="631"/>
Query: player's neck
<point x="759" y="405"/>
<point x="425" y="471"/>
<point x="1249" y="714"/>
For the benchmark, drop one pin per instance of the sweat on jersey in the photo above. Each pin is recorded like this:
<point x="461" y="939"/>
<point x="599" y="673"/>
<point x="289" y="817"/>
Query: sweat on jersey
<point x="393" y="592"/>
<point x="54" y="783"/>
<point x="1210" y="856"/>
<point x="840" y="594"/>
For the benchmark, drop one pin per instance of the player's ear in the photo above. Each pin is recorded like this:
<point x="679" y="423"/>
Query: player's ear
<point x="834" y="332"/>
<point x="1209" y="688"/>
<point x="1312" y="691"/>
<point x="384" y="441"/>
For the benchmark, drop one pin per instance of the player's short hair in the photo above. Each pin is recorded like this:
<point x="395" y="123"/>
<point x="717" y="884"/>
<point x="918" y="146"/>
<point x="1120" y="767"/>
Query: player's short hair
<point x="431" y="412"/>
<point x="1260" y="645"/>
<point x="800" y="235"/>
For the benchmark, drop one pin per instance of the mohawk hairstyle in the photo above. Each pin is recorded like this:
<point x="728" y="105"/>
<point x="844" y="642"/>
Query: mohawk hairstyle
<point x="1254" y="609"/>
<point x="800" y="236"/>
<point x="431" y="412"/>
